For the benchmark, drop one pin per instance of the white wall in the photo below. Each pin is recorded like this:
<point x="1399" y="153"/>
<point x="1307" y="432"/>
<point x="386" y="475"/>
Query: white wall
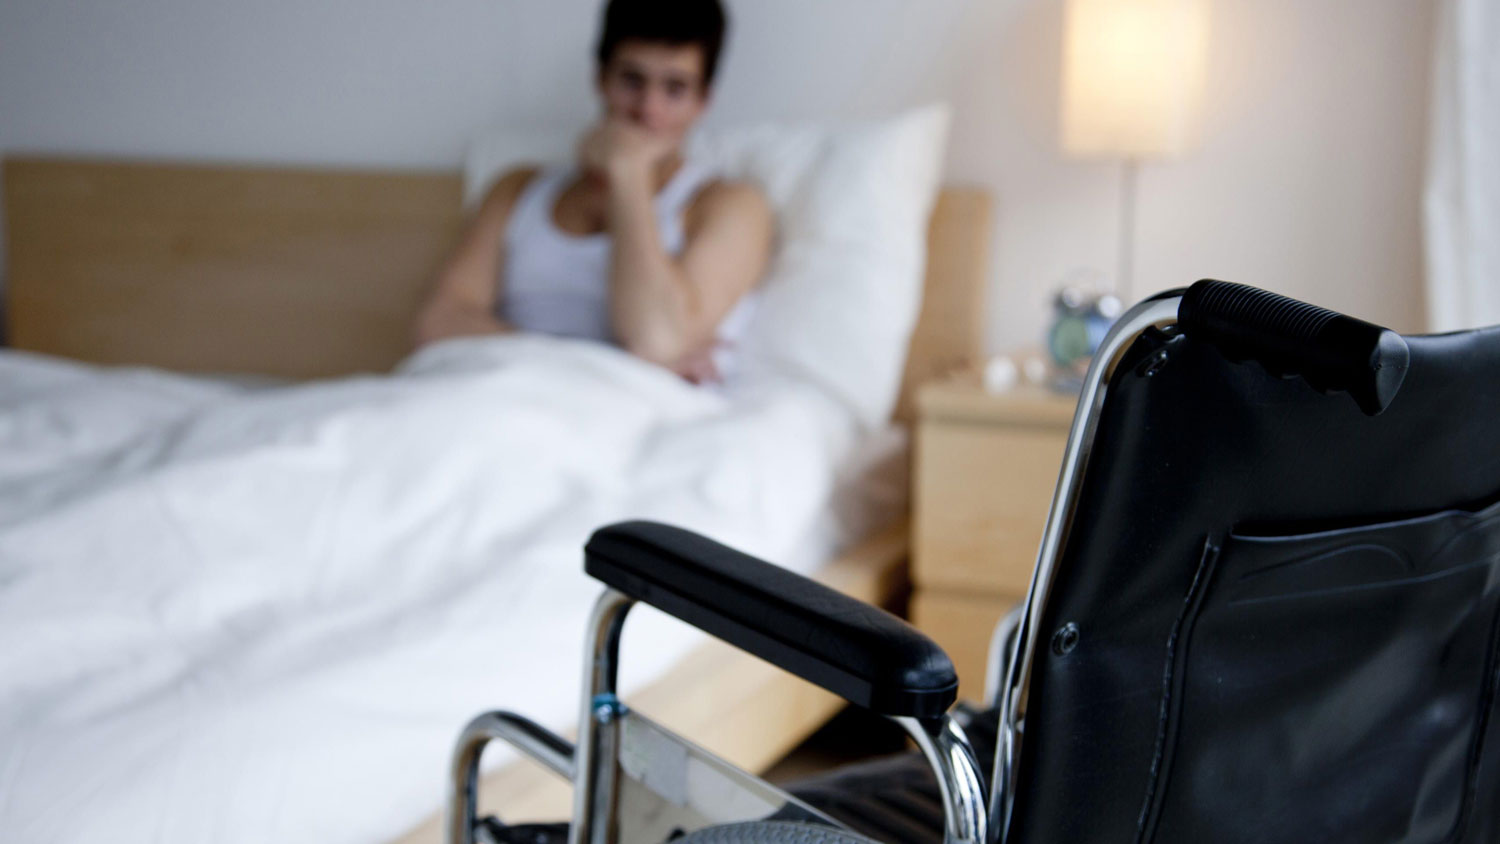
<point x="1306" y="180"/>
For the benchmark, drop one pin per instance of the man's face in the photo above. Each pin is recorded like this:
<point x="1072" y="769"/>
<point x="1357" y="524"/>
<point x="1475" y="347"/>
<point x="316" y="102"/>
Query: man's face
<point x="658" y="87"/>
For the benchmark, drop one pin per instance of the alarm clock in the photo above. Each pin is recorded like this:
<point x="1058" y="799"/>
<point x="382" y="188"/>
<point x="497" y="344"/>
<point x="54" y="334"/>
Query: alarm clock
<point x="1080" y="319"/>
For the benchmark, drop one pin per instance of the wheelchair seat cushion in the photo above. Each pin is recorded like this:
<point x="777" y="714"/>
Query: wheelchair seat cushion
<point x="773" y="832"/>
<point x="895" y="799"/>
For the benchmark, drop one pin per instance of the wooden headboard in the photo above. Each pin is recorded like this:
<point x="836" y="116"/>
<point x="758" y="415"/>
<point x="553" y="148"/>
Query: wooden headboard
<point x="305" y="272"/>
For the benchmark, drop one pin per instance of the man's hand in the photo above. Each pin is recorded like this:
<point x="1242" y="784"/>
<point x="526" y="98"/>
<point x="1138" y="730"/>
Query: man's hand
<point x="617" y="150"/>
<point x="698" y="367"/>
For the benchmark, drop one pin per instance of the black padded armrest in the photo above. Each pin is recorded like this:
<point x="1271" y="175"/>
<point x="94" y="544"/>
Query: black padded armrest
<point x="863" y="654"/>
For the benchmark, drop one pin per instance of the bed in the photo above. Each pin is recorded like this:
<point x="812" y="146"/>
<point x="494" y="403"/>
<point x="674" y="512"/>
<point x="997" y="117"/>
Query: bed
<point x="191" y="268"/>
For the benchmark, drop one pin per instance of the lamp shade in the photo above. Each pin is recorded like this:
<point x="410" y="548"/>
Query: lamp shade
<point x="1132" y="76"/>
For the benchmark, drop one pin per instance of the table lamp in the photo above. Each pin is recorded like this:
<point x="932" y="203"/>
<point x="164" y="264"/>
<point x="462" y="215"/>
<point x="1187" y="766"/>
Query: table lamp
<point x="1132" y="77"/>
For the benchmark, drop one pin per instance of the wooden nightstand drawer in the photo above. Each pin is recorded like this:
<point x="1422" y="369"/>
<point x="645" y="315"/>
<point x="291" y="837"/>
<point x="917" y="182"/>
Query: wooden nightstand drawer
<point x="962" y="625"/>
<point x="982" y="498"/>
<point x="986" y="465"/>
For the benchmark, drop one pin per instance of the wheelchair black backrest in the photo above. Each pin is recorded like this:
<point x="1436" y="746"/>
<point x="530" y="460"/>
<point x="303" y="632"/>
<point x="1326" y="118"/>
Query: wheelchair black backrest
<point x="1275" y="618"/>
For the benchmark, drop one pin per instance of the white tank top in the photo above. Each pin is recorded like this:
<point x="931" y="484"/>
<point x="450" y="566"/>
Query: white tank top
<point x="557" y="283"/>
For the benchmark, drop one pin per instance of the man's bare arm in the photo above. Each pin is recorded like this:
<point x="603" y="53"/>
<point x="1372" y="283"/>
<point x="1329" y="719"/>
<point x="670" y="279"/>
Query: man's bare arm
<point x="666" y="309"/>
<point x="463" y="299"/>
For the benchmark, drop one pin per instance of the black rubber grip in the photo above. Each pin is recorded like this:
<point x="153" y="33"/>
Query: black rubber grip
<point x="863" y="654"/>
<point x="1332" y="352"/>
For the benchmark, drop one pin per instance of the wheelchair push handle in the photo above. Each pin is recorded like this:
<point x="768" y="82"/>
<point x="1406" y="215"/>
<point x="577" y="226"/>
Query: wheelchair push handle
<point x="1332" y="352"/>
<point x="861" y="653"/>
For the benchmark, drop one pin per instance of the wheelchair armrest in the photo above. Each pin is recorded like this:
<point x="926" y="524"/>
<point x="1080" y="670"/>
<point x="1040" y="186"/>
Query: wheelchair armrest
<point x="863" y="654"/>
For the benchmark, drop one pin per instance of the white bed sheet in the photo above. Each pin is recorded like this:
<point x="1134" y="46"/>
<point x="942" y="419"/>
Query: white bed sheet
<point x="232" y="614"/>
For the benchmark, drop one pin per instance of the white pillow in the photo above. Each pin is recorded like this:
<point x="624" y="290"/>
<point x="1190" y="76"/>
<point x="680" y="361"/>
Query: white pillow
<point x="852" y="201"/>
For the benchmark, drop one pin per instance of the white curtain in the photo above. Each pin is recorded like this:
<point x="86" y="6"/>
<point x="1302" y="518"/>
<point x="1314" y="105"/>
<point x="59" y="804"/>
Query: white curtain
<point x="1461" y="203"/>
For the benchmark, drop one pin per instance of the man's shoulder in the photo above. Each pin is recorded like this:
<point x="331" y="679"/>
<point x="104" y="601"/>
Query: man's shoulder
<point x="502" y="194"/>
<point x="730" y="196"/>
<point x="510" y="183"/>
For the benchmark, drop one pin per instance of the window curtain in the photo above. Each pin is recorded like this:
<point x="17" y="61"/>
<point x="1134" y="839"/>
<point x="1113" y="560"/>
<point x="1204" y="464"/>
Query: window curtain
<point x="1461" y="200"/>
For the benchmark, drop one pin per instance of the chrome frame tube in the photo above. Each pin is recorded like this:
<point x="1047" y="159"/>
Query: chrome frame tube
<point x="595" y="779"/>
<point x="947" y="749"/>
<point x="1157" y="310"/>
<point x="1002" y="645"/>
<point x="524" y="734"/>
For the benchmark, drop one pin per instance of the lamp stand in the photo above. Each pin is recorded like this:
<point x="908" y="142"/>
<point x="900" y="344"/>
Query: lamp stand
<point x="1125" y="266"/>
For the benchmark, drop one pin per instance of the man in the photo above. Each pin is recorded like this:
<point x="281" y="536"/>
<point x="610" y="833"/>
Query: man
<point x="634" y="244"/>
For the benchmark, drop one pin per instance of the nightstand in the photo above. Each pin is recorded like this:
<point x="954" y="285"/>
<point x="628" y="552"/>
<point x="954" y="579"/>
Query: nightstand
<point x="986" y="465"/>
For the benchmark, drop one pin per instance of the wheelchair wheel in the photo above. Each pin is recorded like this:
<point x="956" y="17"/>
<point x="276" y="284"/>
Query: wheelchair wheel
<point x="773" y="832"/>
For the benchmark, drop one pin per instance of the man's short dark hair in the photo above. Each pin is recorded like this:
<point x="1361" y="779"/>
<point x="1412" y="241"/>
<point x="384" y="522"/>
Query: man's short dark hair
<point x="675" y="22"/>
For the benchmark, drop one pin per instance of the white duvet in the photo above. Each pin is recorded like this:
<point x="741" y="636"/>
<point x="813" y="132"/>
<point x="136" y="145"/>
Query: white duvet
<point x="235" y="615"/>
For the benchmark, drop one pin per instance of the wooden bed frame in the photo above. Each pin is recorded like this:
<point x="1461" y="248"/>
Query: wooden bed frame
<point x="311" y="273"/>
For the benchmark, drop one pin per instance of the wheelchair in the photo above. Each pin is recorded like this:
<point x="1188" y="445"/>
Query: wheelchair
<point x="1266" y="608"/>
